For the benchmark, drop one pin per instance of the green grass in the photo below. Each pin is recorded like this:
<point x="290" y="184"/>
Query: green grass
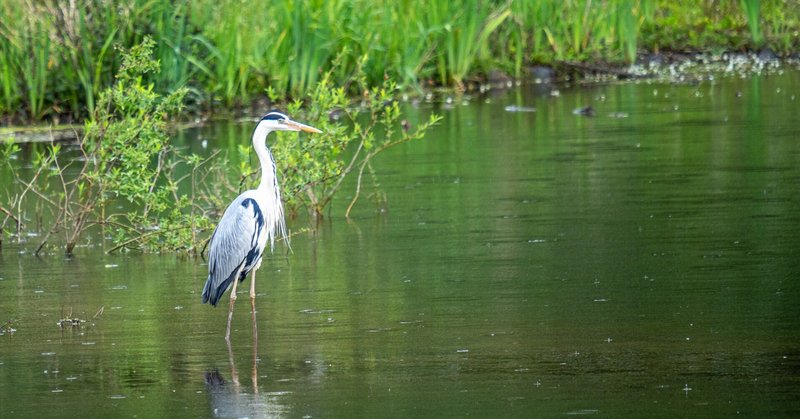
<point x="55" y="56"/>
<point x="462" y="33"/>
<point x="752" y="10"/>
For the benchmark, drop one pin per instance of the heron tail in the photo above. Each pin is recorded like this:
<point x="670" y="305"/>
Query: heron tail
<point x="212" y="293"/>
<point x="209" y="296"/>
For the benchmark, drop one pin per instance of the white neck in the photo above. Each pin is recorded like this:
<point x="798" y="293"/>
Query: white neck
<point x="268" y="188"/>
<point x="268" y="180"/>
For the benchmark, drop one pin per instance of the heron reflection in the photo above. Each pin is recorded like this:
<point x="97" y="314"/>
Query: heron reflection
<point x="230" y="398"/>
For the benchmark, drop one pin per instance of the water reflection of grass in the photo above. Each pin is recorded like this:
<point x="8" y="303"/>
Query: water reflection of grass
<point x="55" y="58"/>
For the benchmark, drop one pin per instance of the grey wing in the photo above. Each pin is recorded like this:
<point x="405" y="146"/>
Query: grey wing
<point x="234" y="247"/>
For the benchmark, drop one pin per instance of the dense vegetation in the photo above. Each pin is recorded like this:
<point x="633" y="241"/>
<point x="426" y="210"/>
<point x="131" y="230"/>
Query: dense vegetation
<point x="132" y="185"/>
<point x="56" y="57"/>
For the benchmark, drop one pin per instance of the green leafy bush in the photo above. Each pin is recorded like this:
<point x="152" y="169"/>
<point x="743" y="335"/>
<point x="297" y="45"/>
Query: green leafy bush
<point x="127" y="162"/>
<point x="353" y="134"/>
<point x="146" y="194"/>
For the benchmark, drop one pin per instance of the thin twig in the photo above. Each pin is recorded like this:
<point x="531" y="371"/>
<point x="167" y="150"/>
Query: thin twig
<point x="8" y="214"/>
<point x="142" y="237"/>
<point x="29" y="186"/>
<point x="46" y="237"/>
<point x="358" y="188"/>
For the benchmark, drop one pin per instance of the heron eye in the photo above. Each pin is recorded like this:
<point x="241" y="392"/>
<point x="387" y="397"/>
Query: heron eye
<point x="281" y="121"/>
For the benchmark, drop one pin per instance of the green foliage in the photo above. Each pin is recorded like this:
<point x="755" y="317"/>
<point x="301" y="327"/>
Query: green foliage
<point x="127" y="182"/>
<point x="463" y="33"/>
<point x="128" y="129"/>
<point x="711" y="25"/>
<point x="575" y="30"/>
<point x="781" y="22"/>
<point x="126" y="134"/>
<point x="56" y="57"/>
<point x="145" y="194"/>
<point x="8" y="150"/>
<point x="753" y="13"/>
<point x="314" y="168"/>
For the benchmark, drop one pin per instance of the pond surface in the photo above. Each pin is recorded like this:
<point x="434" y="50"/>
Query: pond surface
<point x="529" y="264"/>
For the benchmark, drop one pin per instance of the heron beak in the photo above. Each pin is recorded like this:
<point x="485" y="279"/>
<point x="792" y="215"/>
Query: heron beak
<point x="302" y="127"/>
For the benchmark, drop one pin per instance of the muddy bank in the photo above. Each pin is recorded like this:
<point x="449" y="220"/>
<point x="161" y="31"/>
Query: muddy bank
<point x="670" y="67"/>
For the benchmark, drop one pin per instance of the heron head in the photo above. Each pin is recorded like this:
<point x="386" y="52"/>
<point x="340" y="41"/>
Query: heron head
<point x="276" y="121"/>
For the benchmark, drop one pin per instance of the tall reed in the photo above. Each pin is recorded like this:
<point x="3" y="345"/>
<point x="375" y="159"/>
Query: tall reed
<point x="55" y="56"/>
<point x="752" y="11"/>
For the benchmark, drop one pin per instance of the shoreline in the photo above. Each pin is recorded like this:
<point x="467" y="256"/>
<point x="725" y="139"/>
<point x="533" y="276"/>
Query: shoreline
<point x="668" y="67"/>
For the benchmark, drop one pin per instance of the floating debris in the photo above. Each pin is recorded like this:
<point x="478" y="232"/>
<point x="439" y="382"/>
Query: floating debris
<point x="320" y="311"/>
<point x="278" y="393"/>
<point x="583" y="412"/>
<point x="584" y="111"/>
<point x="618" y="115"/>
<point x="7" y="327"/>
<point x="514" y="108"/>
<point x="67" y="322"/>
<point x="111" y="265"/>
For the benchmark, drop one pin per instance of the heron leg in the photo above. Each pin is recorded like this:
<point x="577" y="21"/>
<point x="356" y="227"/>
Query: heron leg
<point x="234" y="373"/>
<point x="230" y="308"/>
<point x="254" y="374"/>
<point x="253" y="293"/>
<point x="253" y="302"/>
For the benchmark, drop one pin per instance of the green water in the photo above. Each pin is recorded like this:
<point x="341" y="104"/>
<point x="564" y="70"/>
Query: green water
<point x="529" y="264"/>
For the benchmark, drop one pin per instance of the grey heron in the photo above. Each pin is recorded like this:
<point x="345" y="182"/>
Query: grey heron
<point x="254" y="218"/>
